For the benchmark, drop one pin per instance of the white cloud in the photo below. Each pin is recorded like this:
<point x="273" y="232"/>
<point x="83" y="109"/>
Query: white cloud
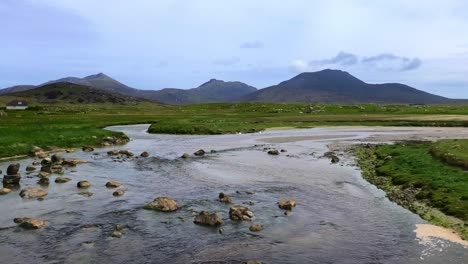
<point x="298" y="66"/>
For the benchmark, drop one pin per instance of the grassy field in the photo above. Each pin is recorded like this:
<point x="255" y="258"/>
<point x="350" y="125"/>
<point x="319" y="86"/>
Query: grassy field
<point x="420" y="181"/>
<point x="74" y="125"/>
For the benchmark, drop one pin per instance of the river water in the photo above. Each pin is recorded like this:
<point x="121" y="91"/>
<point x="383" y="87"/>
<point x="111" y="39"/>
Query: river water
<point x="340" y="218"/>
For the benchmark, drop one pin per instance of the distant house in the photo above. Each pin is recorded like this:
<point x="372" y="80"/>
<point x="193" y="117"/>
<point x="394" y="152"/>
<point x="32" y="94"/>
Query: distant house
<point x="17" y="105"/>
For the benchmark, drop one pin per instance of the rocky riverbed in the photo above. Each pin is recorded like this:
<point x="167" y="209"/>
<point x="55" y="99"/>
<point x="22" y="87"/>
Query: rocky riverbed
<point x="299" y="204"/>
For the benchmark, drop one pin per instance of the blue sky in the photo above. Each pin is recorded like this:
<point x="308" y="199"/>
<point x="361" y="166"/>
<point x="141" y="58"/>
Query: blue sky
<point x="156" y="44"/>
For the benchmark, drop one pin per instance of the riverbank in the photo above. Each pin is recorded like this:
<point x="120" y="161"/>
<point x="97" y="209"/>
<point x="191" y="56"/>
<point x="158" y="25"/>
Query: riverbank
<point x="418" y="181"/>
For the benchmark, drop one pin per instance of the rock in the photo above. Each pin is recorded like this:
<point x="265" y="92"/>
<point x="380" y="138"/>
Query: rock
<point x="69" y="150"/>
<point x="57" y="169"/>
<point x="86" y="193"/>
<point x="87" y="149"/>
<point x="164" y="204"/>
<point x="4" y="191"/>
<point x="113" y="184"/>
<point x="114" y="152"/>
<point x="273" y="152"/>
<point x="144" y="154"/>
<point x="33" y="192"/>
<point x="287" y="204"/>
<point x="199" y="152"/>
<point x="117" y="234"/>
<point x="240" y="213"/>
<point x="13" y="169"/>
<point x="62" y="180"/>
<point x="73" y="162"/>
<point x="36" y="163"/>
<point x="250" y="192"/>
<point x="208" y="219"/>
<point x="249" y="203"/>
<point x="30" y="168"/>
<point x="46" y="162"/>
<point x="185" y="156"/>
<point x="283" y="150"/>
<point x="30" y="223"/>
<point x="57" y="159"/>
<point x="46" y="169"/>
<point x="11" y="179"/>
<point x="332" y="156"/>
<point x="126" y="152"/>
<point x="118" y="192"/>
<point x="36" y="151"/>
<point x="256" y="228"/>
<point x="83" y="184"/>
<point x="43" y="181"/>
<point x="119" y="227"/>
<point x="43" y="174"/>
<point x="224" y="198"/>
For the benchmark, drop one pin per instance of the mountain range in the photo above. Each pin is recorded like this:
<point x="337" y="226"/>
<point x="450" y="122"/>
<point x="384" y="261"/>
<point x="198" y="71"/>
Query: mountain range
<point x="326" y="86"/>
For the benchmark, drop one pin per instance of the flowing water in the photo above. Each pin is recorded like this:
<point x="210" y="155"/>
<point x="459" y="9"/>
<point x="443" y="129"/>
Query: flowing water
<point x="339" y="218"/>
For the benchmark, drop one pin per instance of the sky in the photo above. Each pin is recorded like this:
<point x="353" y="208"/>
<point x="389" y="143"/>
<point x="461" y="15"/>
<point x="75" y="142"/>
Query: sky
<point x="151" y="44"/>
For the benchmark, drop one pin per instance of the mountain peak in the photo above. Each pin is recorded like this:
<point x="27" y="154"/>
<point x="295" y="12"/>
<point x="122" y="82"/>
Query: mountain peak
<point x="97" y="76"/>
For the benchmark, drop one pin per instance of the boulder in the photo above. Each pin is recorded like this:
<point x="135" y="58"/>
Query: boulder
<point x="83" y="184"/>
<point x="43" y="181"/>
<point x="126" y="152"/>
<point x="57" y="159"/>
<point x="224" y="198"/>
<point x="118" y="192"/>
<point x="240" y="213"/>
<point x="30" y="168"/>
<point x="208" y="219"/>
<point x="185" y="156"/>
<point x="114" y="152"/>
<point x="199" y="152"/>
<point x="30" y="223"/>
<point x="87" y="149"/>
<point x="113" y="184"/>
<point x="144" y="154"/>
<point x="46" y="162"/>
<point x="256" y="228"/>
<point x="62" y="180"/>
<point x="273" y="152"/>
<point x="33" y="192"/>
<point x="4" y="191"/>
<point x="11" y="179"/>
<point x="287" y="204"/>
<point x="163" y="204"/>
<point x="13" y="169"/>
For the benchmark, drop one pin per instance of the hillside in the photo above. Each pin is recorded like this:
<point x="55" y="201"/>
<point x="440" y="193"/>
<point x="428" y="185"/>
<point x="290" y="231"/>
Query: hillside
<point x="16" y="89"/>
<point x="334" y="86"/>
<point x="73" y="93"/>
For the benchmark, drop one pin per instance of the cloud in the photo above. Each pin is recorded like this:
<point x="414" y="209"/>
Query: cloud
<point x="298" y="66"/>
<point x="390" y="62"/>
<point x="341" y="59"/>
<point x="227" y="61"/>
<point x="252" y="45"/>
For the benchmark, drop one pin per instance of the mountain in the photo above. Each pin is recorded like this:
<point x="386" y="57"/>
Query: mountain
<point x="210" y="92"/>
<point x="335" y="86"/>
<point x="74" y="93"/>
<point x="15" y="89"/>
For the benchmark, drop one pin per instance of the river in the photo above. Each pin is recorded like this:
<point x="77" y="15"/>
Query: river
<point x="340" y="218"/>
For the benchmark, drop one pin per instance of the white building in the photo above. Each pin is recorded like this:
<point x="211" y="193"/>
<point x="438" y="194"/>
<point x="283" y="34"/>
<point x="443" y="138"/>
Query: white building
<point x="17" y="105"/>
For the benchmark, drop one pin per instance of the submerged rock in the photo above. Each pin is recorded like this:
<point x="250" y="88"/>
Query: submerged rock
<point x="83" y="184"/>
<point x="57" y="159"/>
<point x="224" y="198"/>
<point x="30" y="168"/>
<point x="43" y="181"/>
<point x="86" y="193"/>
<point x="62" y="180"/>
<point x="117" y="234"/>
<point x="208" y="219"/>
<point x="199" y="152"/>
<point x="46" y="162"/>
<point x="113" y="184"/>
<point x="185" y="156"/>
<point x="30" y="223"/>
<point x="287" y="204"/>
<point x="57" y="169"/>
<point x="73" y="162"/>
<point x="256" y="228"/>
<point x="126" y="152"/>
<point x="163" y="204"/>
<point x="33" y="192"/>
<point x="240" y="213"/>
<point x="332" y="156"/>
<point x="114" y="152"/>
<point x="273" y="152"/>
<point x="4" y="191"/>
<point x="144" y="154"/>
<point x="11" y="179"/>
<point x="118" y="192"/>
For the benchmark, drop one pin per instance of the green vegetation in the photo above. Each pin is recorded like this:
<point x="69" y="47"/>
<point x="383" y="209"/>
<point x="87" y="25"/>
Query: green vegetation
<point x="415" y="179"/>
<point x="452" y="151"/>
<point x="75" y="124"/>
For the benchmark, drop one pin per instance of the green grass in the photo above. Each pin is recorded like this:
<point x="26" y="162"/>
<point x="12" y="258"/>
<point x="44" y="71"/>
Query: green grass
<point x="73" y="125"/>
<point x="452" y="151"/>
<point x="417" y="180"/>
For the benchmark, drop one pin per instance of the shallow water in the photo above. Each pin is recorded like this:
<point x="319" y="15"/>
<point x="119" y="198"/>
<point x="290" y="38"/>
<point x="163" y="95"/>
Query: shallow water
<point x="339" y="218"/>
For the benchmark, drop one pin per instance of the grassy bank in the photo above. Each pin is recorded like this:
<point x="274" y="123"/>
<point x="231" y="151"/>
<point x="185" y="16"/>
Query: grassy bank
<point x="74" y="125"/>
<point x="419" y="181"/>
